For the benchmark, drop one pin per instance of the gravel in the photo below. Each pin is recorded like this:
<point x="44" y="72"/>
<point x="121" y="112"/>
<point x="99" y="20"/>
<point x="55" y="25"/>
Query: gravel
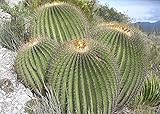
<point x="13" y="94"/>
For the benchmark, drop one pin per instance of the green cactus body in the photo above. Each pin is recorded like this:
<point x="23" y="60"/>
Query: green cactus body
<point x="126" y="45"/>
<point x="87" y="6"/>
<point x="36" y="3"/>
<point x="32" y="62"/>
<point x="60" y="21"/>
<point x="83" y="76"/>
<point x="150" y="94"/>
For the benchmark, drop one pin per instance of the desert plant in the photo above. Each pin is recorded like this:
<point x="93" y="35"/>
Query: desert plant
<point x="148" y="99"/>
<point x="144" y="110"/>
<point x="111" y="14"/>
<point x="150" y="93"/>
<point x="32" y="62"/>
<point x="48" y="104"/>
<point x="128" y="49"/>
<point x="14" y="32"/>
<point x="60" y="21"/>
<point x="84" y="76"/>
<point x="9" y="39"/>
<point x="153" y="55"/>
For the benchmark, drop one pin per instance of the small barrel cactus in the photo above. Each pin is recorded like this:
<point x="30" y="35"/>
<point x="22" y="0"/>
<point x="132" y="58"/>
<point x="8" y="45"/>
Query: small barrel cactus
<point x="32" y="62"/>
<point x="127" y="47"/>
<point x="59" y="21"/>
<point x="148" y="100"/>
<point x="150" y="93"/>
<point x="83" y="75"/>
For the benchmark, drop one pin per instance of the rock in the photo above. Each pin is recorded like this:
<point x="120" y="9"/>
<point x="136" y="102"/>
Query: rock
<point x="4" y="16"/>
<point x="13" y="94"/>
<point x="13" y="2"/>
<point x="6" y="85"/>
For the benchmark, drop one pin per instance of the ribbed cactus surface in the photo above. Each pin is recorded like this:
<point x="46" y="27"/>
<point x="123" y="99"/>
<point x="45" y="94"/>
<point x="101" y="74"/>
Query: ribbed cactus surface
<point x="83" y="76"/>
<point x="150" y="94"/>
<point x="126" y="45"/>
<point x="32" y="62"/>
<point x="60" y="21"/>
<point x="36" y="3"/>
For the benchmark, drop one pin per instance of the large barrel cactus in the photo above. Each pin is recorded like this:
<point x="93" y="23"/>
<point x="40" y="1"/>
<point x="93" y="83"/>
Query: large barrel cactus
<point x="127" y="47"/>
<point x="32" y="62"/>
<point x="59" y="21"/>
<point x="84" y="77"/>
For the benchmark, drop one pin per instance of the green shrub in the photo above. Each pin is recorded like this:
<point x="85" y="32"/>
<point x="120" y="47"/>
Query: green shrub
<point x="14" y="33"/>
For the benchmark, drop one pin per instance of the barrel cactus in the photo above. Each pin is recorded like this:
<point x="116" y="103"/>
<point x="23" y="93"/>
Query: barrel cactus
<point x="84" y="77"/>
<point x="148" y="99"/>
<point x="150" y="93"/>
<point x="128" y="49"/>
<point x="32" y="62"/>
<point x="59" y="21"/>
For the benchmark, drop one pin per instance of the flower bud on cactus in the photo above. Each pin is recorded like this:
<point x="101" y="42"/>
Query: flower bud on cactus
<point x="32" y="62"/>
<point x="84" y="77"/>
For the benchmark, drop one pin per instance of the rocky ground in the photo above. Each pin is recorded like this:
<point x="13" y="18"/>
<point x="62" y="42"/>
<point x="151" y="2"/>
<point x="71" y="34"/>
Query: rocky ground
<point x="13" y="94"/>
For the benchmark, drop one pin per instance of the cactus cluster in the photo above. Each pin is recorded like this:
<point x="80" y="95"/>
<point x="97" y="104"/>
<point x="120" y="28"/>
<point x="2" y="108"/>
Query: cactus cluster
<point x="92" y="70"/>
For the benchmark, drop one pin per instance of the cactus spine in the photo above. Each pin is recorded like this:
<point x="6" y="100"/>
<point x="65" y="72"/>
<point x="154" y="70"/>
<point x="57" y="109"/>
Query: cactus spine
<point x="59" y="21"/>
<point x="32" y="62"/>
<point x="126" y="45"/>
<point x="84" y="77"/>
